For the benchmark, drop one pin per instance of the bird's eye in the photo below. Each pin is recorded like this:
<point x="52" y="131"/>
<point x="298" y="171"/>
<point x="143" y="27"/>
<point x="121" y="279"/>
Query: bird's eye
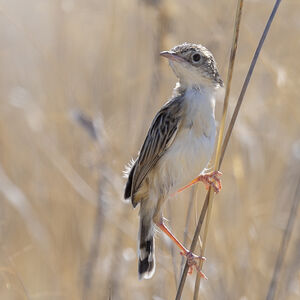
<point x="196" y="57"/>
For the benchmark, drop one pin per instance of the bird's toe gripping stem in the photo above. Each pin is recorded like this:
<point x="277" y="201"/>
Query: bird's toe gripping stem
<point x="210" y="180"/>
<point x="194" y="261"/>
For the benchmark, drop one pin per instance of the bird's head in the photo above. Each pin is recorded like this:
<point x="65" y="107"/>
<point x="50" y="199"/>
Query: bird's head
<point x="194" y="65"/>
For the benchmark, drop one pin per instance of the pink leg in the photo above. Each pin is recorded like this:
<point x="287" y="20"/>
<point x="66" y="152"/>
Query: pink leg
<point x="192" y="259"/>
<point x="211" y="179"/>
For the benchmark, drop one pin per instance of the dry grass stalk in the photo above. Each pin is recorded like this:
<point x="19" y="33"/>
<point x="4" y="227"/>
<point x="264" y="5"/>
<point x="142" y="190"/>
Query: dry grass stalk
<point x="284" y="243"/>
<point x="221" y="132"/>
<point x="225" y="143"/>
<point x="89" y="126"/>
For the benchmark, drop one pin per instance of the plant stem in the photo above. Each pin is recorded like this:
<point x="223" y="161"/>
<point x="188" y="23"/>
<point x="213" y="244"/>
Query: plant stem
<point x="226" y="140"/>
<point x="284" y="243"/>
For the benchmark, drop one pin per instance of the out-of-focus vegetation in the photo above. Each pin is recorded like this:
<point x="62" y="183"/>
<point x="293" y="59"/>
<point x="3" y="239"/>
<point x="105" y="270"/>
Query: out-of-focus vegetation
<point x="80" y="83"/>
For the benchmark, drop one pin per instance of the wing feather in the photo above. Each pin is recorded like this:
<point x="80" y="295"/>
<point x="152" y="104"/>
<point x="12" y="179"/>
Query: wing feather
<point x="160" y="136"/>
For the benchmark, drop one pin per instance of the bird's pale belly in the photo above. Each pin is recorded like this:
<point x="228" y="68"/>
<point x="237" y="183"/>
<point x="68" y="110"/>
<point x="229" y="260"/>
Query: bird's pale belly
<point x="187" y="157"/>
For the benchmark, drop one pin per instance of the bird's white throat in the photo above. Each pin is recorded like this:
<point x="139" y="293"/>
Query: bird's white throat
<point x="200" y="105"/>
<point x="191" y="77"/>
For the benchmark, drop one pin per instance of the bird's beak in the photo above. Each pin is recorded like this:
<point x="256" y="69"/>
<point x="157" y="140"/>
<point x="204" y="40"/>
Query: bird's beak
<point x="172" y="56"/>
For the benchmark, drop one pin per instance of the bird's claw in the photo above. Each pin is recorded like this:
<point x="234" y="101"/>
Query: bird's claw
<point x="212" y="180"/>
<point x="194" y="261"/>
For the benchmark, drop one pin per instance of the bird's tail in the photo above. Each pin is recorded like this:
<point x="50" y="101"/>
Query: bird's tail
<point x="146" y="262"/>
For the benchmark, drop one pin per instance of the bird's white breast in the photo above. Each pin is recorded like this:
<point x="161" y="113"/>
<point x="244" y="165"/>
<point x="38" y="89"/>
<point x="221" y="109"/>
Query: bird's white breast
<point x="193" y="146"/>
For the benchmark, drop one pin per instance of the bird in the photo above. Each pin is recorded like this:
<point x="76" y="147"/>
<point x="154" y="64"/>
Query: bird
<point x="177" y="149"/>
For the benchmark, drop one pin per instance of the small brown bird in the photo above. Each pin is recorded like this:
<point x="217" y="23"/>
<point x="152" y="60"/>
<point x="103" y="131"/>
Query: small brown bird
<point x="177" y="148"/>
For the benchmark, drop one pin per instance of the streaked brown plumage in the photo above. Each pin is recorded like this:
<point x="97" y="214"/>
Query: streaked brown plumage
<point x="178" y="146"/>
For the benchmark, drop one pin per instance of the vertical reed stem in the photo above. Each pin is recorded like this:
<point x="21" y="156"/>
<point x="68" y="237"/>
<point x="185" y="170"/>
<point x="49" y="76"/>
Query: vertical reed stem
<point x="226" y="140"/>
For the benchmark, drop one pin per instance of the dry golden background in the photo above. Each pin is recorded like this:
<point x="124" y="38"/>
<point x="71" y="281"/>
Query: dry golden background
<point x="80" y="83"/>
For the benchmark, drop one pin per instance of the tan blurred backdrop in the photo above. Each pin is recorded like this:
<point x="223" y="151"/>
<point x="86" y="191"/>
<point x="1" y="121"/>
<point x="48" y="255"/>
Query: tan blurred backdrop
<point x="80" y="82"/>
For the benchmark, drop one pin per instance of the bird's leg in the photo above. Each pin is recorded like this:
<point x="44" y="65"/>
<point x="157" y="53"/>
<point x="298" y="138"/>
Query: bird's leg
<point x="210" y="179"/>
<point x="192" y="259"/>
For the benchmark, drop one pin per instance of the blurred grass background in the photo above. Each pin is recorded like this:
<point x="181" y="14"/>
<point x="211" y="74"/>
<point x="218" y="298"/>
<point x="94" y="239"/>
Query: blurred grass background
<point x="80" y="82"/>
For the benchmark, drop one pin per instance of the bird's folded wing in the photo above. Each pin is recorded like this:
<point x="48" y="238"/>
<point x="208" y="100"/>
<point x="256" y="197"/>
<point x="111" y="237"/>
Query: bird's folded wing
<point x="160" y="136"/>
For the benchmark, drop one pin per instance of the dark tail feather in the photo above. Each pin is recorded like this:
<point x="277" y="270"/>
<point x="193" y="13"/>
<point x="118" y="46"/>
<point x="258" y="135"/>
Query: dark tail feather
<point x="127" y="192"/>
<point x="146" y="266"/>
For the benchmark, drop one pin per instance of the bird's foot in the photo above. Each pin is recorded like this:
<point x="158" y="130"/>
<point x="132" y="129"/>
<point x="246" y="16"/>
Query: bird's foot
<point x="194" y="260"/>
<point x="211" y="180"/>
